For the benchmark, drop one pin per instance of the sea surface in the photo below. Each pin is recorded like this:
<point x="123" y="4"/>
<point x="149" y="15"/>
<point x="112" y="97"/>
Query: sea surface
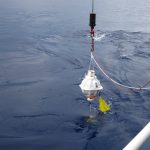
<point x="44" y="54"/>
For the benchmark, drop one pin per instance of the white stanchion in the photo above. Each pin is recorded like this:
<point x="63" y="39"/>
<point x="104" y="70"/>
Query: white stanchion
<point x="139" y="139"/>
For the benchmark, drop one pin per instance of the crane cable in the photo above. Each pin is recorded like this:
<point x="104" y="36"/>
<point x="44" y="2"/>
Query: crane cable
<point x="117" y="83"/>
<point x="92" y="6"/>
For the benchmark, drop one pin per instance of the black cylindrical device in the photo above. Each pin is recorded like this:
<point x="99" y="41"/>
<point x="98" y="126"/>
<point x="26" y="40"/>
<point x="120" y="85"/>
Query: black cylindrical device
<point x="92" y="20"/>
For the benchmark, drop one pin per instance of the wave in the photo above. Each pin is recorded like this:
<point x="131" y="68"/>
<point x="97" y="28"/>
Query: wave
<point x="35" y="115"/>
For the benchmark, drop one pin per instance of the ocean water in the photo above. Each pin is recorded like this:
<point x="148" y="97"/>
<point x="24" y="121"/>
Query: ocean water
<point x="44" y="54"/>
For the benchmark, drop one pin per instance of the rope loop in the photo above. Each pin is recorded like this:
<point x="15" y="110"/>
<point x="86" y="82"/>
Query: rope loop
<point x="117" y="83"/>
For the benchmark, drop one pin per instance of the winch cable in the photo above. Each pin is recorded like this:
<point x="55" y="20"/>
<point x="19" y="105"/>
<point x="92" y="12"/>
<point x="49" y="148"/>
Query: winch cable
<point x="117" y="83"/>
<point x="92" y="24"/>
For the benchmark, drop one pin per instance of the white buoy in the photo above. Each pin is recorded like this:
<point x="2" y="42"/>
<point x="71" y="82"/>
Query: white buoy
<point x="90" y="85"/>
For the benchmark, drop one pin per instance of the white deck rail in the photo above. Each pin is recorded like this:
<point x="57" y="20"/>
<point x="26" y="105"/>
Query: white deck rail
<point x="139" y="139"/>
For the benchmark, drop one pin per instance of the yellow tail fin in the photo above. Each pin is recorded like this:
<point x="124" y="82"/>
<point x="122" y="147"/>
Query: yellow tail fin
<point x="103" y="106"/>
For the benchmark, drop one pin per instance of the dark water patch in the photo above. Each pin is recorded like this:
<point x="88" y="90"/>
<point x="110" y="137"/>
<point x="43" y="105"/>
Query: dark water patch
<point x="75" y="62"/>
<point x="147" y="43"/>
<point x="34" y="116"/>
<point x="44" y="98"/>
<point x="80" y="98"/>
<point x="47" y="51"/>
<point x="86" y="125"/>
<point x="9" y="137"/>
<point x="10" y="84"/>
<point x="125" y="57"/>
<point x="142" y="54"/>
<point x="92" y="128"/>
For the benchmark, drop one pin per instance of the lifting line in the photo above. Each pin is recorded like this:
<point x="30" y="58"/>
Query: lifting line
<point x="117" y="83"/>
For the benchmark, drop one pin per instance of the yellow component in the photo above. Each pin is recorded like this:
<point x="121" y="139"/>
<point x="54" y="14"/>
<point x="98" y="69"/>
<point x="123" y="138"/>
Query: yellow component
<point x="103" y="106"/>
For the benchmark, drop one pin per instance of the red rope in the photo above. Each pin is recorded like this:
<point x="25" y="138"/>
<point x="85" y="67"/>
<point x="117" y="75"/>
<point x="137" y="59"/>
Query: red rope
<point x="92" y="39"/>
